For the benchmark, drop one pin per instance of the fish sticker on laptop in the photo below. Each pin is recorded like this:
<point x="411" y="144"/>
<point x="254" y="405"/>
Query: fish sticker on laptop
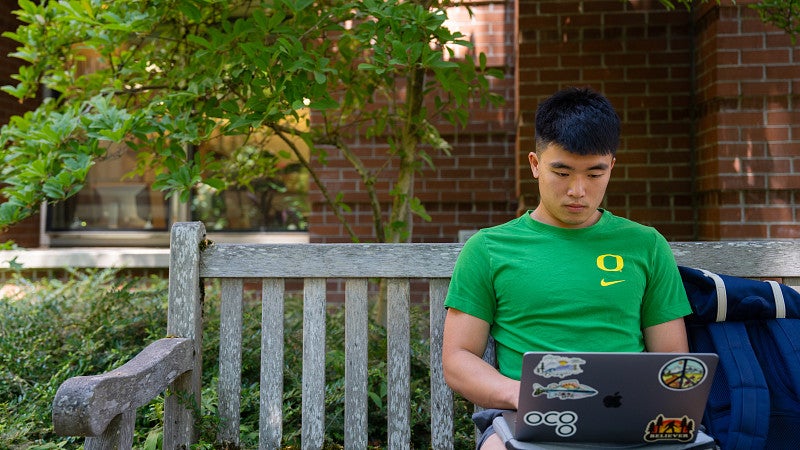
<point x="559" y="366"/>
<point x="564" y="390"/>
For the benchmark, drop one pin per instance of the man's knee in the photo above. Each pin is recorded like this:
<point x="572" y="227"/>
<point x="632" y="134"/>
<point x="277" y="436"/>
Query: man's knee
<point x="493" y="442"/>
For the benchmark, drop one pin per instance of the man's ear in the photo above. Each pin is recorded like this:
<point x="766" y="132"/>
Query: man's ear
<point x="533" y="159"/>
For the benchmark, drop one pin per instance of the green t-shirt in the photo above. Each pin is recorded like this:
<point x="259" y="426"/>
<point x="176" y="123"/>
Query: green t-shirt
<point x="545" y="288"/>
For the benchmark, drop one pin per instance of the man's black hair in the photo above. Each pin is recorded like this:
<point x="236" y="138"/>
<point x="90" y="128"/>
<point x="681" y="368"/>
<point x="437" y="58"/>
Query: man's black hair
<point x="579" y="120"/>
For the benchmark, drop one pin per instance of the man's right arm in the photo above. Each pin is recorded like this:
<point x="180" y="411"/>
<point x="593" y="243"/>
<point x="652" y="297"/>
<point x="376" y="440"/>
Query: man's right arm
<point x="466" y="372"/>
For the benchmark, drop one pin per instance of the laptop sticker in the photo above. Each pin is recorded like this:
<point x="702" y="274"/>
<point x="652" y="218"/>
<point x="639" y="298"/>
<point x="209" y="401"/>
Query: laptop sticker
<point x="663" y="428"/>
<point x="564" y="390"/>
<point x="558" y="366"/>
<point x="562" y="421"/>
<point x="683" y="373"/>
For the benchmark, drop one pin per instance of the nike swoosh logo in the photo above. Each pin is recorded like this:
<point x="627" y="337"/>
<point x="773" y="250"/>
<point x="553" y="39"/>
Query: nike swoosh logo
<point x="605" y="283"/>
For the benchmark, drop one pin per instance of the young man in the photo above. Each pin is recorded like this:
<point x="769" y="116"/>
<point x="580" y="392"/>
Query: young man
<point x="567" y="276"/>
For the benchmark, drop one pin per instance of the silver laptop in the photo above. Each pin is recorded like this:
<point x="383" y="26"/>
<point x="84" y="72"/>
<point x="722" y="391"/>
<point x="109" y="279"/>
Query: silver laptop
<point x="612" y="397"/>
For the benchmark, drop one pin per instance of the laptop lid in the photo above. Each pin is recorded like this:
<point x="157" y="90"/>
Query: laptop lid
<point x="613" y="397"/>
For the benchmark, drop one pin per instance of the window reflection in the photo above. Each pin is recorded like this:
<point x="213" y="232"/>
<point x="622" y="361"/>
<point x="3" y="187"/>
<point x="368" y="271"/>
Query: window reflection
<point x="267" y="186"/>
<point x="271" y="196"/>
<point x="112" y="201"/>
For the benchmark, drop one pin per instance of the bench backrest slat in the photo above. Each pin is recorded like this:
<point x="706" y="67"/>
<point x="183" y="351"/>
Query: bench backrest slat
<point x="441" y="395"/>
<point x="230" y="359"/>
<point x="313" y="362"/>
<point x="356" y="355"/>
<point x="271" y="392"/>
<point x="399" y="366"/>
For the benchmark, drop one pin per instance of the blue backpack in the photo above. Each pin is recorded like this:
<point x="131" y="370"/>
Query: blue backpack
<point x="754" y="327"/>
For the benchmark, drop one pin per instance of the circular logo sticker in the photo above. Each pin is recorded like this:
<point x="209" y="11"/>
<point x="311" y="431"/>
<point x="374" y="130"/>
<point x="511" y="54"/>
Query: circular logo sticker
<point x="683" y="373"/>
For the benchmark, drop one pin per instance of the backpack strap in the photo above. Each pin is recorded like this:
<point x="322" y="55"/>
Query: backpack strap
<point x="722" y="295"/>
<point x="780" y="302"/>
<point x="740" y="400"/>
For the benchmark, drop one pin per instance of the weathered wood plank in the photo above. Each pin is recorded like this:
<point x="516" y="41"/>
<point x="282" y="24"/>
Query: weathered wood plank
<point x="398" y="332"/>
<point x="272" y="331"/>
<point x="739" y="258"/>
<point x="313" y="428"/>
<point x="751" y="259"/>
<point x="230" y="360"/>
<point x="184" y="319"/>
<point x="85" y="405"/>
<point x="356" y="357"/>
<point x="330" y="260"/>
<point x="441" y="395"/>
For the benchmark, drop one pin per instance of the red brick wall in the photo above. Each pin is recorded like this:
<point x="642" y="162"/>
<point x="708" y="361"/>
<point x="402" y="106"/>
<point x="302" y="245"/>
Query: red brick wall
<point x="639" y="56"/>
<point x="471" y="188"/>
<point x="748" y="141"/>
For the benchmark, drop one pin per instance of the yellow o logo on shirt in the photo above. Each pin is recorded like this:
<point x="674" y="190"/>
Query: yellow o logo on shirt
<point x="617" y="260"/>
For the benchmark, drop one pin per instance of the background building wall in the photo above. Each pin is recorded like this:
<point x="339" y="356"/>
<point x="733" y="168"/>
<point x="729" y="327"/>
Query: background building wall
<point x="638" y="55"/>
<point x="471" y="188"/>
<point x="708" y="100"/>
<point x="748" y="140"/>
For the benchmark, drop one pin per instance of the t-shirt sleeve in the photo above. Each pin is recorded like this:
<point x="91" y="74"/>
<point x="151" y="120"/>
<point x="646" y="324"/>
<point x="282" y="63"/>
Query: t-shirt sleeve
<point x="471" y="289"/>
<point x="665" y="297"/>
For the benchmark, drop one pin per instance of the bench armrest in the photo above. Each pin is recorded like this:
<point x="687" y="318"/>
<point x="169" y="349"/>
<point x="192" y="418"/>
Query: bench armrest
<point x="85" y="405"/>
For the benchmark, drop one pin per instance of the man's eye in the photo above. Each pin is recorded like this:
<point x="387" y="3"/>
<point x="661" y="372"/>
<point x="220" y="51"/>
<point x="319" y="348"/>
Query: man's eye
<point x="562" y="174"/>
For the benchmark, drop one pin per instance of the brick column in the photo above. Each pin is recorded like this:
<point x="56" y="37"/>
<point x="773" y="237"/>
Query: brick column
<point x="748" y="140"/>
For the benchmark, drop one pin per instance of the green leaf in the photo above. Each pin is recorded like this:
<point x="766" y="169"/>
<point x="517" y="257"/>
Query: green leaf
<point x="190" y="10"/>
<point x="199" y="40"/>
<point x="19" y="91"/>
<point x="215" y="183"/>
<point x="419" y="209"/>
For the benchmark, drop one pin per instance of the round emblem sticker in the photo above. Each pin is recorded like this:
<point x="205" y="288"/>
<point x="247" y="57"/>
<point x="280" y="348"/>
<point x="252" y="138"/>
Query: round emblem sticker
<point x="683" y="373"/>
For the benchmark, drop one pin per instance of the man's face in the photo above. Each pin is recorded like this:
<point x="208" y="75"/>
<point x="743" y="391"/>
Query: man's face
<point x="571" y="186"/>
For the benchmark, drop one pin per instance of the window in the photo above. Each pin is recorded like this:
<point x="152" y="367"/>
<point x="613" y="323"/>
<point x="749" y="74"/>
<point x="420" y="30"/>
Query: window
<point x="116" y="209"/>
<point x="109" y="201"/>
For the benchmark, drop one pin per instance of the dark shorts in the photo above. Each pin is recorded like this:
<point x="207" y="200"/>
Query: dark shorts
<point x="483" y="420"/>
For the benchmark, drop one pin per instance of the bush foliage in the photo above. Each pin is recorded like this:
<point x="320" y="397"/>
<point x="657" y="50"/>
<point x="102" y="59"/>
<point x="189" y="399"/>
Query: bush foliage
<point x="94" y="321"/>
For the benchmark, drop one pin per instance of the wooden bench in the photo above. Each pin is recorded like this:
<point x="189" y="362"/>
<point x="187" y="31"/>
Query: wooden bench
<point x="103" y="407"/>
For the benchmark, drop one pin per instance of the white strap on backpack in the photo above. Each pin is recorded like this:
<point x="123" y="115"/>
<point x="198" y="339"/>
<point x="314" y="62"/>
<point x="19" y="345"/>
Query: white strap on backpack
<point x="722" y="297"/>
<point x="780" y="303"/>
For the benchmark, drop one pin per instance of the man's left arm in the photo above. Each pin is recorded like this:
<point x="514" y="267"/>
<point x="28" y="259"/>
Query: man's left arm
<point x="667" y="337"/>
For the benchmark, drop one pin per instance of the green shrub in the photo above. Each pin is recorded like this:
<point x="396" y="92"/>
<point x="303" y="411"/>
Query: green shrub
<point x="52" y="330"/>
<point x="97" y="320"/>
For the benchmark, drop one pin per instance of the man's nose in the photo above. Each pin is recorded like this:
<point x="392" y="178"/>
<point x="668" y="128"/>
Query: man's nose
<point x="577" y="188"/>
